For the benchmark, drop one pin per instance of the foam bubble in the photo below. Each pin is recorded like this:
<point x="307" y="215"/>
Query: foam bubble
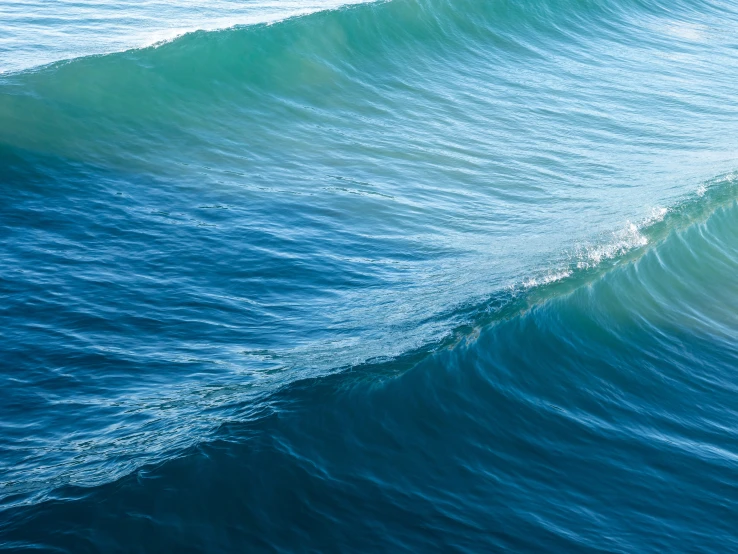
<point x="547" y="278"/>
<point x="623" y="241"/>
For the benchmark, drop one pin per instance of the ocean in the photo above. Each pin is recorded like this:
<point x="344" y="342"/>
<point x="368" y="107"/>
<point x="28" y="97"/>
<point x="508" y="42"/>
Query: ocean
<point x="396" y="276"/>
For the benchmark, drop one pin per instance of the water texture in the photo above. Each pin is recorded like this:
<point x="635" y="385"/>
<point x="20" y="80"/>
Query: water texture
<point x="414" y="275"/>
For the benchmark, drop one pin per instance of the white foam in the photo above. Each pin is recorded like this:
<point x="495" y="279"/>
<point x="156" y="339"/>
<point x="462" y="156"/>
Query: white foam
<point x="657" y="214"/>
<point x="623" y="241"/>
<point x="547" y="278"/>
<point x="589" y="256"/>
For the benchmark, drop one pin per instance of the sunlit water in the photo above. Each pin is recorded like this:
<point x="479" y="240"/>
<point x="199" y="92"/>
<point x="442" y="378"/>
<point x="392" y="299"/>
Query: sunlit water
<point x="408" y="275"/>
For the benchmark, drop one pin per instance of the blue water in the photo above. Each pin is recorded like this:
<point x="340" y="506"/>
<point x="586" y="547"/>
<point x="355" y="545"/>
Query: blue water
<point x="414" y="275"/>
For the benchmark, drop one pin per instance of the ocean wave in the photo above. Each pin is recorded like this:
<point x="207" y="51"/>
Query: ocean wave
<point x="353" y="194"/>
<point x="640" y="361"/>
<point x="662" y="231"/>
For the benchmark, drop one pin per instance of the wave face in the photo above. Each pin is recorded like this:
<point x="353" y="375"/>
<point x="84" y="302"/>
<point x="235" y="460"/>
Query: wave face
<point x="411" y="275"/>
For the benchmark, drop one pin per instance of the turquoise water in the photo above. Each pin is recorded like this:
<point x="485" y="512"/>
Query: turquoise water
<point x="422" y="275"/>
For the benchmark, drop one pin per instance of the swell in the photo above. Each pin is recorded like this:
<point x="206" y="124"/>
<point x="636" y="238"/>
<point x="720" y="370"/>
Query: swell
<point x="197" y="93"/>
<point x="480" y="441"/>
<point x="655" y="269"/>
<point x="200" y="91"/>
<point x="434" y="128"/>
<point x="428" y="16"/>
<point x="195" y="74"/>
<point x="141" y="26"/>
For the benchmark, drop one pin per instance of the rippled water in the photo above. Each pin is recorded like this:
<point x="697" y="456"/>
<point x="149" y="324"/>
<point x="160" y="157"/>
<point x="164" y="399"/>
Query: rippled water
<point x="419" y="275"/>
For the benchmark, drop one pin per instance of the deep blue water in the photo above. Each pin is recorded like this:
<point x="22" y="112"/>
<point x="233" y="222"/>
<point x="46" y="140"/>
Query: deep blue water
<point x="415" y="275"/>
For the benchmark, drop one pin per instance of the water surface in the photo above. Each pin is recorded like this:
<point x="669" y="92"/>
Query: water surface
<point x="419" y="275"/>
